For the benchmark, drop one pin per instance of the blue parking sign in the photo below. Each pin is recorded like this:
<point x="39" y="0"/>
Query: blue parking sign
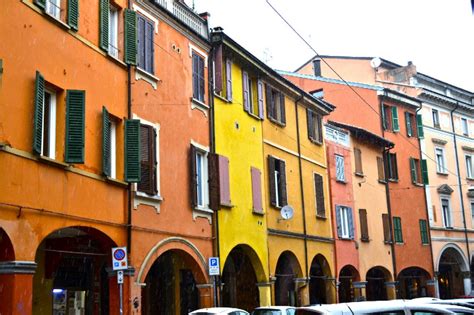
<point x="214" y="269"/>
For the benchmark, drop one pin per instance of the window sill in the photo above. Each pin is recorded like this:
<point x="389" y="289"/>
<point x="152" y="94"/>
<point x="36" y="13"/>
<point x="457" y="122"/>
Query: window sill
<point x="225" y="205"/>
<point x="381" y="181"/>
<point x="222" y="98"/>
<point x="470" y="178"/>
<point x="341" y="181"/>
<point x="116" y="182"/>
<point x="388" y="242"/>
<point x="277" y="122"/>
<point x="254" y="116"/>
<point x="342" y="238"/>
<point x="321" y="217"/>
<point x="365" y="240"/>
<point x="418" y="184"/>
<point x="52" y="162"/>
<point x="258" y="212"/>
<point x="400" y="243"/>
<point x="141" y="74"/>
<point x="442" y="173"/>
<point x="197" y="104"/>
<point x="315" y="141"/>
<point x="393" y="180"/>
<point x="201" y="212"/>
<point x="57" y="21"/>
<point x="145" y="199"/>
<point x="116" y="60"/>
<point x="359" y="174"/>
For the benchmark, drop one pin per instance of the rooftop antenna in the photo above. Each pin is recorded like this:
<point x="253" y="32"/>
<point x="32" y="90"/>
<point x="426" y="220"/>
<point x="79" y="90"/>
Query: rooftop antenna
<point x="267" y="55"/>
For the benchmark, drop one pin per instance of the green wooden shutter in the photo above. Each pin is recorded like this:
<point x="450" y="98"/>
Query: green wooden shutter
<point x="382" y="114"/>
<point x="106" y="145"/>
<point x="419" y="125"/>
<point x="73" y="14"/>
<point x="397" y="227"/>
<point x="414" y="178"/>
<point x="132" y="150"/>
<point x="104" y="24"/>
<point x="130" y="18"/>
<point x="424" y="172"/>
<point x="40" y="3"/>
<point x="408" y="124"/>
<point x="395" y="124"/>
<point x="75" y="125"/>
<point x="39" y="107"/>
<point x="424" y="232"/>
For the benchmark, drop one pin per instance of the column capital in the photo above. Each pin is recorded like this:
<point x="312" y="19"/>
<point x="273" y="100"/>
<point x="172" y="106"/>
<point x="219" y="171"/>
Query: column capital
<point x="17" y="267"/>
<point x="359" y="284"/>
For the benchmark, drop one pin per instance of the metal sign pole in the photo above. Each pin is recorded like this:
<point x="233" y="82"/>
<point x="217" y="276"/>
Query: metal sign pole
<point x="215" y="291"/>
<point x="121" y="298"/>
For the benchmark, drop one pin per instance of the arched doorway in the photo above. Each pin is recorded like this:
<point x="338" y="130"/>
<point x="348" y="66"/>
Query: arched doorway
<point x="239" y="279"/>
<point x="6" y="280"/>
<point x="6" y="248"/>
<point x="320" y="282"/>
<point x="376" y="289"/>
<point x="347" y="276"/>
<point x="412" y="282"/>
<point x="171" y="284"/>
<point x="450" y="273"/>
<point x="287" y="270"/>
<point x="72" y="275"/>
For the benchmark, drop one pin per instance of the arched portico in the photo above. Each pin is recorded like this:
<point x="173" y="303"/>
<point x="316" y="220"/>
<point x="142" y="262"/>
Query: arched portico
<point x="321" y="283"/>
<point x="377" y="279"/>
<point x="288" y="270"/>
<point x="453" y="273"/>
<point x="347" y="276"/>
<point x="413" y="282"/>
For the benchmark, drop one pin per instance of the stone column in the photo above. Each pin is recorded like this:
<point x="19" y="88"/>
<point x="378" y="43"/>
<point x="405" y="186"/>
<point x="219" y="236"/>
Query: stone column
<point x="466" y="275"/>
<point x="432" y="288"/>
<point x="265" y="293"/>
<point x="360" y="290"/>
<point x="206" y="295"/>
<point x="391" y="287"/>
<point x="302" y="291"/>
<point x="16" y="287"/>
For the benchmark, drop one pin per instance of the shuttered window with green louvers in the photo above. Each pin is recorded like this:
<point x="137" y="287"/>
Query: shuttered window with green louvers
<point x="132" y="150"/>
<point x="38" y="120"/>
<point x="104" y="24"/>
<point x="75" y="126"/>
<point x="106" y="144"/>
<point x="130" y="18"/>
<point x="40" y="3"/>
<point x="73" y="14"/>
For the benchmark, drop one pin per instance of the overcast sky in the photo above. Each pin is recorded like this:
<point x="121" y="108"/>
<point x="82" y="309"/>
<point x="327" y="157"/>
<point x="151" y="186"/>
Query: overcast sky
<point x="437" y="35"/>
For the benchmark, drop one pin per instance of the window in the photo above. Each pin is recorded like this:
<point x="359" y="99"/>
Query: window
<point x="277" y="180"/>
<point x="465" y="127"/>
<point x="222" y="75"/>
<point x="340" y="171"/>
<point x="424" y="232"/>
<point x="53" y="8"/>
<point x="109" y="144"/>
<point x="275" y="105"/>
<point x="364" y="229"/>
<point x="48" y="145"/>
<point x="315" y="126"/>
<point x="358" y="162"/>
<point x="397" y="229"/>
<point x="380" y="169"/>
<point x="113" y="31"/>
<point x="198" y="77"/>
<point x="469" y="169"/>
<point x="446" y="212"/>
<point x="440" y="161"/>
<point x="345" y="226"/>
<point x="392" y="166"/>
<point x="419" y="171"/>
<point x="390" y="118"/>
<point x="319" y="194"/>
<point x="387" y="232"/>
<point x="472" y="212"/>
<point x="411" y="124"/>
<point x="145" y="44"/>
<point x="435" y="116"/>
<point x="148" y="160"/>
<point x="199" y="175"/>
<point x="256" y="177"/>
<point x="252" y="95"/>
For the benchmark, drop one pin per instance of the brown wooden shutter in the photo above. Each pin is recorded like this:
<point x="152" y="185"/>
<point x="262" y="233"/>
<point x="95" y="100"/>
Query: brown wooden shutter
<point x="214" y="190"/>
<point x="310" y="122"/>
<point x="228" y="75"/>
<point x="284" y="198"/>
<point x="269" y="101"/>
<point x="271" y="180"/>
<point x="224" y="181"/>
<point x="147" y="182"/>
<point x="380" y="168"/>
<point x="320" y="128"/>
<point x="218" y="69"/>
<point x="364" y="229"/>
<point x="387" y="234"/>
<point x="256" y="190"/>
<point x="358" y="161"/>
<point x="320" y="208"/>
<point x="193" y="176"/>
<point x="283" y="112"/>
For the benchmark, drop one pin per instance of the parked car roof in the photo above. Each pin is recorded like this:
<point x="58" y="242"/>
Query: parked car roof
<point x="219" y="310"/>
<point x="273" y="310"/>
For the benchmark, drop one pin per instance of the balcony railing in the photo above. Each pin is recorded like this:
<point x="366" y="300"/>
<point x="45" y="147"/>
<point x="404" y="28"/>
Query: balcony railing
<point x="185" y="15"/>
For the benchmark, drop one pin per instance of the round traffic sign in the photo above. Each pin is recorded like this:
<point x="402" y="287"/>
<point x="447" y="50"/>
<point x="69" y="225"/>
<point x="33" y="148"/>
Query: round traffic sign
<point x="119" y="254"/>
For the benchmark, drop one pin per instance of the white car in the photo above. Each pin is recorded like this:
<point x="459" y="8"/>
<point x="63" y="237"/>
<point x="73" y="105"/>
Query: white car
<point x="219" y="310"/>
<point x="274" y="310"/>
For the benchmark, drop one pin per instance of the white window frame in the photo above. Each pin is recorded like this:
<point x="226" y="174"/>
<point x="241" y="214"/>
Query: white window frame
<point x="344" y="219"/>
<point x="469" y="166"/>
<point x="471" y="203"/>
<point x="113" y="148"/>
<point x="53" y="8"/>
<point x="52" y="123"/>
<point x="440" y="156"/>
<point x="113" y="31"/>
<point x="339" y="178"/>
<point x="435" y="113"/>
<point x="448" y="217"/>
<point x="465" y="126"/>
<point x="202" y="179"/>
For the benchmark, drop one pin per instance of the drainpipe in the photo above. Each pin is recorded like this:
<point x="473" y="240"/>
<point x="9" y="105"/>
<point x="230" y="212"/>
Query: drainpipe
<point x="387" y="196"/>
<point x="300" y="167"/>
<point x="427" y="216"/>
<point x="129" y="115"/>
<point x="460" y="187"/>
<point x="212" y="144"/>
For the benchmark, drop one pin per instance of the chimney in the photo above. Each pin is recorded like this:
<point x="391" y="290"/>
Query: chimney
<point x="205" y="15"/>
<point x="317" y="67"/>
